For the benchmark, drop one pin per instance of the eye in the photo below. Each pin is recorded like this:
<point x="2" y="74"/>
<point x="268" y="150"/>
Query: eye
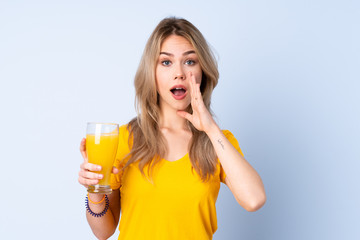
<point x="166" y="63"/>
<point x="190" y="62"/>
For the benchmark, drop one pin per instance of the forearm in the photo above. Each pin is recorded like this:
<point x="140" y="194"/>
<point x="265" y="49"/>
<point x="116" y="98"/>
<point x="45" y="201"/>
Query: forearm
<point x="105" y="226"/>
<point x="241" y="178"/>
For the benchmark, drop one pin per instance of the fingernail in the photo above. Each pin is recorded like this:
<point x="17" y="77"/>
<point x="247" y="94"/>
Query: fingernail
<point x="100" y="176"/>
<point x="98" y="168"/>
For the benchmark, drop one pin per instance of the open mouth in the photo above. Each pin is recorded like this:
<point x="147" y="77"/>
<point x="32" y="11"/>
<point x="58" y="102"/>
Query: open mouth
<point x="179" y="92"/>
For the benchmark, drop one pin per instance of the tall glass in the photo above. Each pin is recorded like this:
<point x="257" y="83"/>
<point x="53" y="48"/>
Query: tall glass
<point x="101" y="146"/>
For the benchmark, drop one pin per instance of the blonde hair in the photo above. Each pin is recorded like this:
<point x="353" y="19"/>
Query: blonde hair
<point x="146" y="141"/>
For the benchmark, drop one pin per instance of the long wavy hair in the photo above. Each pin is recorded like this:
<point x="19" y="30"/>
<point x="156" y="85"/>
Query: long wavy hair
<point x="147" y="144"/>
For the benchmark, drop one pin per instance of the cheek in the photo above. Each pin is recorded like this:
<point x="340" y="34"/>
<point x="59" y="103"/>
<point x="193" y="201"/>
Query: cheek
<point x="161" y="86"/>
<point x="159" y="79"/>
<point x="161" y="74"/>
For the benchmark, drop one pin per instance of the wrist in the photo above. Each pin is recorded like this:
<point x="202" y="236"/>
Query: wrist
<point x="96" y="197"/>
<point x="95" y="206"/>
<point x="213" y="130"/>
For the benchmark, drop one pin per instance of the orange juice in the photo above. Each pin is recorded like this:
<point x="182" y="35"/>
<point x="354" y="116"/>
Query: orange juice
<point x="101" y="150"/>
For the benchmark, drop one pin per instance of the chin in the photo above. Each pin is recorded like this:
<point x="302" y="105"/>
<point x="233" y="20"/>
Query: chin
<point x="181" y="107"/>
<point x="177" y="105"/>
<point x="184" y="108"/>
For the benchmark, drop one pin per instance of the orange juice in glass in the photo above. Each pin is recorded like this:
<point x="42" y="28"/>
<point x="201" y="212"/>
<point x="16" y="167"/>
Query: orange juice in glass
<point x="101" y="146"/>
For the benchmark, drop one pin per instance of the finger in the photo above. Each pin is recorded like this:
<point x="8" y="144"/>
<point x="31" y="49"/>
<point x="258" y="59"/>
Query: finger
<point x="90" y="167"/>
<point x="87" y="178"/>
<point x="193" y="84"/>
<point x="192" y="87"/>
<point x="197" y="89"/>
<point x="90" y="175"/>
<point x="115" y="170"/>
<point x="83" y="148"/>
<point x="185" y="115"/>
<point x="197" y="92"/>
<point x="82" y="182"/>
<point x="87" y="182"/>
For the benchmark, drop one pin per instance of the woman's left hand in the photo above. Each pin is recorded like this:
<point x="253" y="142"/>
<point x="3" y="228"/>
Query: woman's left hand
<point x="201" y="117"/>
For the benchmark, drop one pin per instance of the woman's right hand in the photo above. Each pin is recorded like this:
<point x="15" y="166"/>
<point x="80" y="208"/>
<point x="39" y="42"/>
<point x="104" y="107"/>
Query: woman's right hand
<point x="86" y="175"/>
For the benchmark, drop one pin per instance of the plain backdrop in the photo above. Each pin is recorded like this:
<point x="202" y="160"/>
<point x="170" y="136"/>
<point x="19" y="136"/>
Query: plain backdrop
<point x="288" y="90"/>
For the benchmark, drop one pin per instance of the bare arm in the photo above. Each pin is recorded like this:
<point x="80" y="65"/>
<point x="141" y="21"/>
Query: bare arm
<point x="243" y="181"/>
<point x="105" y="226"/>
<point x="241" y="178"/>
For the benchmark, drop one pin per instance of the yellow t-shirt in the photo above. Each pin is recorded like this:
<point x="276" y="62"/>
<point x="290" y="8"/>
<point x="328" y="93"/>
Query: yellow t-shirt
<point x="177" y="206"/>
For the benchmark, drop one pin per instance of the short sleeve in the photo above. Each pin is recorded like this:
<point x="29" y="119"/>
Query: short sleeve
<point x="235" y="143"/>
<point x="122" y="151"/>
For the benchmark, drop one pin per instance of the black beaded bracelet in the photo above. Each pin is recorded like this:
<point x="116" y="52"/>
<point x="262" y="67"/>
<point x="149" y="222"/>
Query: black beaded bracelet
<point x="97" y="214"/>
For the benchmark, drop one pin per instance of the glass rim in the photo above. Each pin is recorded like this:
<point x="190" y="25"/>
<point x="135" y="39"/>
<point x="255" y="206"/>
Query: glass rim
<point x="103" y="123"/>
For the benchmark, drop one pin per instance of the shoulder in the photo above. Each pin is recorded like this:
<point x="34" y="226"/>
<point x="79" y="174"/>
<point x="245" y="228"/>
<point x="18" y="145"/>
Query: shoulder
<point x="231" y="138"/>
<point x="229" y="135"/>
<point x="226" y="132"/>
<point x="123" y="139"/>
<point x="123" y="129"/>
<point x="123" y="132"/>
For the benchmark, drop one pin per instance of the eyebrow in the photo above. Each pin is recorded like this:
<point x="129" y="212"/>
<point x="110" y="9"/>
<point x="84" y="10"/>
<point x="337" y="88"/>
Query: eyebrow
<point x="184" y="54"/>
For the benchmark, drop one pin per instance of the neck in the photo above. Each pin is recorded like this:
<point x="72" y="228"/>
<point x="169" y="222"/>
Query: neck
<point x="171" y="120"/>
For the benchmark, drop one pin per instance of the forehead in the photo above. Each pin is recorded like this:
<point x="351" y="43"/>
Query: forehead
<point x="175" y="43"/>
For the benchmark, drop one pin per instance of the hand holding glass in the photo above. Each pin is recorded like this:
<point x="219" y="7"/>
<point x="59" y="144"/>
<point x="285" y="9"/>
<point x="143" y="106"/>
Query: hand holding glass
<point x="101" y="146"/>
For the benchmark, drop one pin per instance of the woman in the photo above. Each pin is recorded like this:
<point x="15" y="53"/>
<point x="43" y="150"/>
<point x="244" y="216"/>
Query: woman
<point x="173" y="156"/>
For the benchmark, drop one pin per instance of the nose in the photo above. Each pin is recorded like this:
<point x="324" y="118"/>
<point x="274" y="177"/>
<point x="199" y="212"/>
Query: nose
<point x="180" y="76"/>
<point x="179" y="73"/>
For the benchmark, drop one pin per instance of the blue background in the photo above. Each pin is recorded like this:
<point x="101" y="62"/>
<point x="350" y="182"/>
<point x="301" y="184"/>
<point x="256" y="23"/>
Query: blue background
<point x="288" y="90"/>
